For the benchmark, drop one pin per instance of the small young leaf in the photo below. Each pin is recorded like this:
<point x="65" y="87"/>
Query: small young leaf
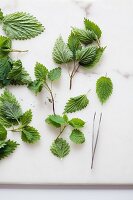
<point x="5" y="46"/>
<point x="26" y="118"/>
<point x="92" y="27"/>
<point x="18" y="75"/>
<point x="5" y="67"/>
<point x="76" y="123"/>
<point x="99" y="53"/>
<point x="8" y="148"/>
<point x="61" y="52"/>
<point x="104" y="88"/>
<point x="40" y="72"/>
<point x="36" y="86"/>
<point x="86" y="55"/>
<point x="74" y="44"/>
<point x="3" y="132"/>
<point x="55" y="120"/>
<point x="60" y="148"/>
<point x="30" y="134"/>
<point x="54" y="74"/>
<point x="21" y="26"/>
<point x="76" y="103"/>
<point x="77" y="137"/>
<point x="85" y="36"/>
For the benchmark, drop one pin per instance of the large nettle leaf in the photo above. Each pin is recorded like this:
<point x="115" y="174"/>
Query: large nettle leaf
<point x="76" y="103"/>
<point x="104" y="88"/>
<point x="60" y="148"/>
<point x="21" y="26"/>
<point x="61" y="52"/>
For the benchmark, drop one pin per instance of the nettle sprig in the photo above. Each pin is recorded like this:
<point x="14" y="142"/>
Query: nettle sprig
<point x="82" y="49"/>
<point x="43" y="77"/>
<point x="13" y="119"/>
<point x="20" y="25"/>
<point x="60" y="147"/>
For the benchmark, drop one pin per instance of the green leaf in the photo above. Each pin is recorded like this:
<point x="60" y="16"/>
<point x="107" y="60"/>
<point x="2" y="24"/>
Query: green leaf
<point x="30" y="135"/>
<point x="60" y="148"/>
<point x="99" y="53"/>
<point x="36" y="86"/>
<point x="40" y="72"/>
<point x="74" y="44"/>
<point x="5" y="122"/>
<point x="2" y="144"/>
<point x="5" y="46"/>
<point x="89" y="25"/>
<point x="76" y="103"/>
<point x="54" y="74"/>
<point x="61" y="52"/>
<point x="18" y="75"/>
<point x="76" y="123"/>
<point x="104" y="88"/>
<point x="8" y="149"/>
<point x="85" y="36"/>
<point x="86" y="55"/>
<point x="3" y="132"/>
<point x="55" y="120"/>
<point x="21" y="26"/>
<point x="77" y="137"/>
<point x="1" y="15"/>
<point x="26" y="118"/>
<point x="5" y="67"/>
<point x="9" y="107"/>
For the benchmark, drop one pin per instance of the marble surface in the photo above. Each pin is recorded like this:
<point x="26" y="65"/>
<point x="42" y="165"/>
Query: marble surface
<point x="113" y="161"/>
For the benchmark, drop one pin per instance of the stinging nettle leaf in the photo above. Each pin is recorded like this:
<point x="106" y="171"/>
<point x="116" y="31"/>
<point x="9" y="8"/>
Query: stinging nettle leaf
<point x="56" y="120"/>
<point x="2" y="144"/>
<point x="104" y="88"/>
<point x="41" y="72"/>
<point x="21" y="26"/>
<point x="54" y="74"/>
<point x="77" y="137"/>
<point x="3" y="132"/>
<point x="76" y="123"/>
<point x="5" y="46"/>
<point x="76" y="103"/>
<point x="89" y="25"/>
<point x="30" y="134"/>
<point x="86" y="55"/>
<point x="61" y="52"/>
<point x="1" y="15"/>
<point x="60" y="148"/>
<point x="26" y="118"/>
<point x="36" y="86"/>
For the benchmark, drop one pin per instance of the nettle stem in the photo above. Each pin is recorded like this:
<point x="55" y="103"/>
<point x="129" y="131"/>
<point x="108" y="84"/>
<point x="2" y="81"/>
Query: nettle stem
<point x="52" y="97"/>
<point x="74" y="71"/>
<point x="61" y="131"/>
<point x="19" y="51"/>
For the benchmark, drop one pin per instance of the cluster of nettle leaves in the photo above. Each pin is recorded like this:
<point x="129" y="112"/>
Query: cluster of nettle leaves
<point x="82" y="48"/>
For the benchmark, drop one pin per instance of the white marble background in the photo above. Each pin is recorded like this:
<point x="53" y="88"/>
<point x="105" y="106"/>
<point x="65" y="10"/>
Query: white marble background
<point x="113" y="162"/>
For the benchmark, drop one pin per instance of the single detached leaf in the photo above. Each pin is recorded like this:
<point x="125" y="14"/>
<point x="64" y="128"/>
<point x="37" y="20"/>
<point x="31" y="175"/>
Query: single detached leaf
<point x="18" y="75"/>
<point x="5" y="46"/>
<point x="30" y="134"/>
<point x="21" y="26"/>
<point x="55" y="120"/>
<point x="74" y="44"/>
<point x="89" y="25"/>
<point x="3" y="132"/>
<point x="85" y="36"/>
<point x="8" y="149"/>
<point x="5" y="67"/>
<point x="26" y="118"/>
<point x="54" y="74"/>
<point x="86" y="55"/>
<point x="61" y="52"/>
<point x="9" y="107"/>
<point x="40" y="72"/>
<point x="77" y="137"/>
<point x="99" y="53"/>
<point x="76" y="103"/>
<point x="60" y="148"/>
<point x="76" y="123"/>
<point x="104" y="88"/>
<point x="36" y="86"/>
